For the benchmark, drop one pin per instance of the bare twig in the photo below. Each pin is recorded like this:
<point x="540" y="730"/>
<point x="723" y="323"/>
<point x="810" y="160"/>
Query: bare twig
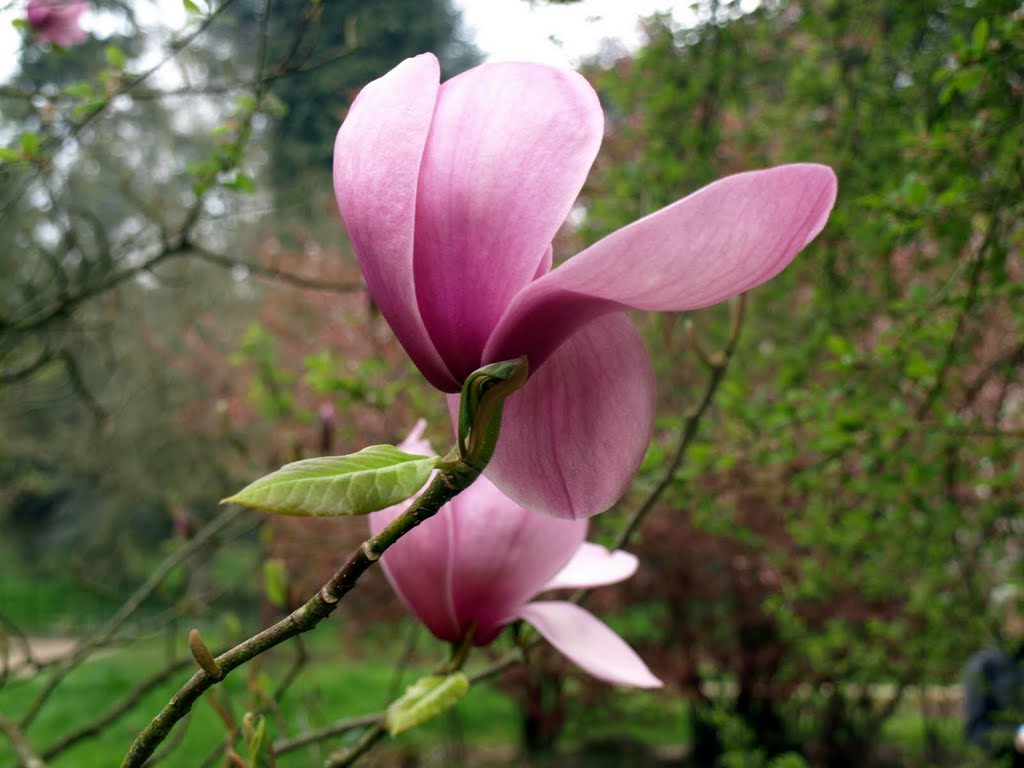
<point x="96" y="727"/>
<point x="718" y="364"/>
<point x="272" y="273"/>
<point x="346" y="757"/>
<point x="207" y="534"/>
<point x="449" y="481"/>
<point x="322" y="734"/>
<point x="27" y="758"/>
<point x="176" y="47"/>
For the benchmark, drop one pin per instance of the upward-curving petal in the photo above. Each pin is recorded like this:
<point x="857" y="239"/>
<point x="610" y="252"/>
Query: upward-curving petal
<point x="509" y="149"/>
<point x="377" y="158"/>
<point x="722" y="240"/>
<point x="594" y="566"/>
<point x="589" y="643"/>
<point x="573" y="437"/>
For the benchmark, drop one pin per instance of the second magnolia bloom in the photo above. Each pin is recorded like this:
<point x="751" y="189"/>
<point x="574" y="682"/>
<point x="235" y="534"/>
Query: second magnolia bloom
<point x="452" y="193"/>
<point x="476" y="566"/>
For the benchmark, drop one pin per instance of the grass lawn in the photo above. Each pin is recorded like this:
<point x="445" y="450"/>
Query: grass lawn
<point x="331" y="688"/>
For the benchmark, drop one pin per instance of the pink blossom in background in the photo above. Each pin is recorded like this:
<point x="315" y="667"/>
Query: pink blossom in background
<point x="479" y="562"/>
<point x="451" y="195"/>
<point x="56" y="21"/>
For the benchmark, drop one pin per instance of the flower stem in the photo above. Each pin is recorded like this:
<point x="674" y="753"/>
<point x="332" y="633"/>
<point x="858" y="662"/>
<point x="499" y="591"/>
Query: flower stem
<point x="449" y="482"/>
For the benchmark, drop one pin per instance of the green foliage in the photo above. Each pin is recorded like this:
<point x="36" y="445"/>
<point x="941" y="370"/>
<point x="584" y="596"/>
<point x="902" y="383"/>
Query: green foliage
<point x="328" y="486"/>
<point x="275" y="582"/>
<point x="424" y="700"/>
<point x="865" y="458"/>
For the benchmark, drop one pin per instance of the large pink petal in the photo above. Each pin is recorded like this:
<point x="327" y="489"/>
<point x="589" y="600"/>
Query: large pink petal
<point x="588" y="643"/>
<point x="509" y="149"/>
<point x="377" y="159"/>
<point x="502" y="555"/>
<point x="573" y="438"/>
<point x="594" y="566"/>
<point x="722" y="240"/>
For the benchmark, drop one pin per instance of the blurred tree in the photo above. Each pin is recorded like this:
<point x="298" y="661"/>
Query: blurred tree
<point x="141" y="194"/>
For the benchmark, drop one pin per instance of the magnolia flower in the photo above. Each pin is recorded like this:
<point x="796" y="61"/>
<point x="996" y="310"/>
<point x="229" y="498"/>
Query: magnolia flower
<point x="451" y="195"/>
<point x="56" y="21"/>
<point x="475" y="566"/>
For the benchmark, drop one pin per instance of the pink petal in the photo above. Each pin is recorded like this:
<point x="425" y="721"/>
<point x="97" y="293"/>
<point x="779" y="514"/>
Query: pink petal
<point x="477" y="561"/>
<point x="722" y="240"/>
<point x="419" y="567"/>
<point x="502" y="555"/>
<point x="509" y="149"/>
<point x="589" y="644"/>
<point x="377" y="159"/>
<point x="594" y="566"/>
<point x="573" y="438"/>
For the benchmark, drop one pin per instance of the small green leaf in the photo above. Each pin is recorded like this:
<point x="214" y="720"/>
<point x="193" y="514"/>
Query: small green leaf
<point x="424" y="700"/>
<point x="30" y="144"/>
<point x="979" y="37"/>
<point x="275" y="582"/>
<point x="87" y="108"/>
<point x="328" y="486"/>
<point x="190" y="6"/>
<point x="80" y="90"/>
<point x="115" y="57"/>
<point x="242" y="183"/>
<point x="254" y="730"/>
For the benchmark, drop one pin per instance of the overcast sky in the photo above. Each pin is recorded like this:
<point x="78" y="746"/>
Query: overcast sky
<point x="503" y="29"/>
<point x="558" y="34"/>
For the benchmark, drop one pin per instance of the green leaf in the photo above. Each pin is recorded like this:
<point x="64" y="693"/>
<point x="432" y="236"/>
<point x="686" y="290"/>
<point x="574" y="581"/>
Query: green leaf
<point x="115" y="57"/>
<point x="979" y="37"/>
<point x="372" y="479"/>
<point x="254" y="729"/>
<point x="242" y="183"/>
<point x="80" y="90"/>
<point x="86" y="108"/>
<point x="424" y="700"/>
<point x="275" y="582"/>
<point x="190" y="6"/>
<point x="30" y="144"/>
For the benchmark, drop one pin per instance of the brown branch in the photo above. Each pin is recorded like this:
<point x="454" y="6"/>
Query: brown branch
<point x="346" y="757"/>
<point x="272" y="273"/>
<point x="719" y="364"/>
<point x="321" y="734"/>
<point x="449" y="481"/>
<point x="206" y="535"/>
<point x="27" y="758"/>
<point x="28" y="370"/>
<point x="126" y="704"/>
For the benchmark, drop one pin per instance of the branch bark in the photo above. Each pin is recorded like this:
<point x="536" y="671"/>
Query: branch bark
<point x="446" y="485"/>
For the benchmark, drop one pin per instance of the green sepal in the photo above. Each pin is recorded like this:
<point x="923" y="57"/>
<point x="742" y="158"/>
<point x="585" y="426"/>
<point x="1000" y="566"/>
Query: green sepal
<point x="329" y="486"/>
<point x="424" y="700"/>
<point x="481" y="406"/>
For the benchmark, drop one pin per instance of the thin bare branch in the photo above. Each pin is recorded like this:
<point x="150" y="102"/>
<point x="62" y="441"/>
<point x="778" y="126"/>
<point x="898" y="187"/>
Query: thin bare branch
<point x="204" y="537"/>
<point x="27" y="758"/>
<point x="449" y="482"/>
<point x="114" y="713"/>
